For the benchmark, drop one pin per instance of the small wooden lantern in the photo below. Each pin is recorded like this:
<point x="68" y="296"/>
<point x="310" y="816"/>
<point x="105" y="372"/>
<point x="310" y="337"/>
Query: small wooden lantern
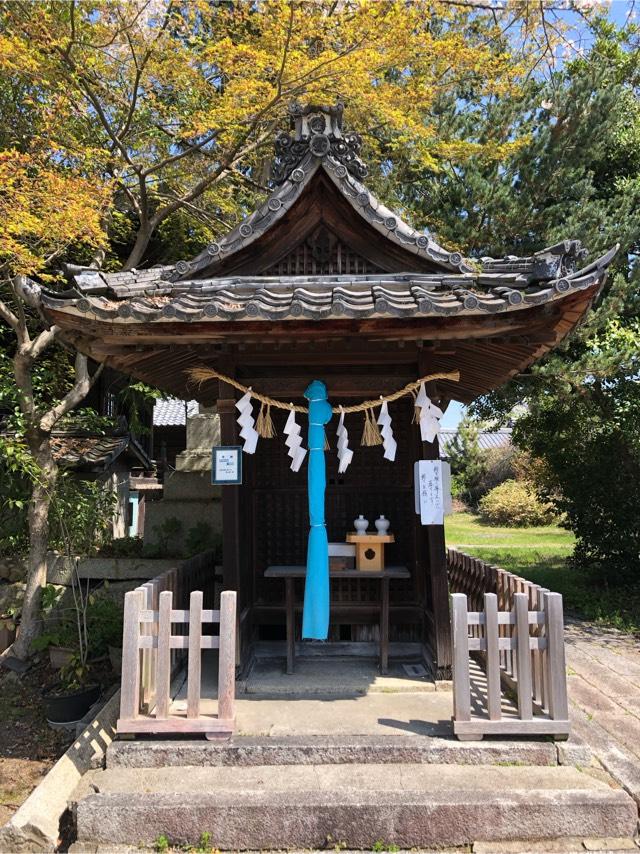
<point x="370" y="550"/>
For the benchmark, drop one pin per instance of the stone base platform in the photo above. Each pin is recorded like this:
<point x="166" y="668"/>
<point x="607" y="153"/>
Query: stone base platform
<point x="330" y="750"/>
<point x="348" y="806"/>
<point x="370" y="762"/>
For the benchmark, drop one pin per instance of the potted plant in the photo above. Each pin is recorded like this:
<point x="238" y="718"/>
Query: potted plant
<point x="74" y="695"/>
<point x="59" y="642"/>
<point x="59" y="638"/>
<point x="104" y="620"/>
<point x="70" y="700"/>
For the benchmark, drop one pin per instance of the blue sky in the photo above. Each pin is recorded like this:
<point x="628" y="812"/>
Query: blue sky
<point x="453" y="414"/>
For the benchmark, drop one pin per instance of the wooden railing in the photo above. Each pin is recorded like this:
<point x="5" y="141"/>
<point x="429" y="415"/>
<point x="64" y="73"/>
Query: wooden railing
<point x="515" y="629"/>
<point x="153" y="653"/>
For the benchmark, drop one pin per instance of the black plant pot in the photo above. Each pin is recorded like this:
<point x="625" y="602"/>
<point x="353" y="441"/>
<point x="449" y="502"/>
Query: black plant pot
<point x="70" y="707"/>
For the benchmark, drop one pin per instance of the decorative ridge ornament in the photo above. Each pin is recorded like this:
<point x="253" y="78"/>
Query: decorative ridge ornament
<point x="317" y="130"/>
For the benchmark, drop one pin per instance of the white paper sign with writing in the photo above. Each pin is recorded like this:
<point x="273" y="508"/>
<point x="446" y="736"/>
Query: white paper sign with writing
<point x="432" y="488"/>
<point x="226" y="464"/>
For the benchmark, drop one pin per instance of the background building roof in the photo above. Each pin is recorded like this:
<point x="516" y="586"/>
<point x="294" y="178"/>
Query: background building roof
<point x="487" y="439"/>
<point x="170" y="412"/>
<point x="82" y="452"/>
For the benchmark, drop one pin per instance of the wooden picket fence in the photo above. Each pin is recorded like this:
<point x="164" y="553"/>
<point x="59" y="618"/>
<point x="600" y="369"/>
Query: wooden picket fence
<point x="153" y="653"/>
<point x="515" y="629"/>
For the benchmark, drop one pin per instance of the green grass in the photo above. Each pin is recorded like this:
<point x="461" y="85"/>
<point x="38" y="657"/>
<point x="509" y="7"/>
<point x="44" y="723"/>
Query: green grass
<point x="540" y="555"/>
<point x="466" y="528"/>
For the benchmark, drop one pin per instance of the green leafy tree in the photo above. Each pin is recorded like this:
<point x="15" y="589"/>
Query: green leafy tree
<point x="585" y="427"/>
<point x="468" y="464"/>
<point x="577" y="174"/>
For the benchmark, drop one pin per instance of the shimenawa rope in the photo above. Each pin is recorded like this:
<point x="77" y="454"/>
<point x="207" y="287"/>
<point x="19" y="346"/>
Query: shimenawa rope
<point x="201" y="375"/>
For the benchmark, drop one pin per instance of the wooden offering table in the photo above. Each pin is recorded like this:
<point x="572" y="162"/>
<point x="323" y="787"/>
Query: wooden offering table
<point x="290" y="573"/>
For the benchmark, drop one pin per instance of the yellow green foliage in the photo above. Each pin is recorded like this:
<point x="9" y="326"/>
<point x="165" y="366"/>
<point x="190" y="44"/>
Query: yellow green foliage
<point x="43" y="209"/>
<point x="174" y="105"/>
<point x="514" y="504"/>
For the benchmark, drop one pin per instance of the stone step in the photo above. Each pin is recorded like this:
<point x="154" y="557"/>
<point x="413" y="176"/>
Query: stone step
<point x="332" y="750"/>
<point x="348" y="806"/>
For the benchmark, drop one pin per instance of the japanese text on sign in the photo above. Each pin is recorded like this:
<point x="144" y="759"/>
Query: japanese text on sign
<point x="226" y="465"/>
<point x="432" y="491"/>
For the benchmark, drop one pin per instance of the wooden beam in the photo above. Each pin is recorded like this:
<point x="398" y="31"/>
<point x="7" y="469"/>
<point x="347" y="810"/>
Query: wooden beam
<point x="524" y="321"/>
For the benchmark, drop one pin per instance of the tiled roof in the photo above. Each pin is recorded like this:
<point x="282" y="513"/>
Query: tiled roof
<point x="507" y="285"/>
<point x="171" y="412"/>
<point x="487" y="439"/>
<point x="79" y="452"/>
<point x="387" y="222"/>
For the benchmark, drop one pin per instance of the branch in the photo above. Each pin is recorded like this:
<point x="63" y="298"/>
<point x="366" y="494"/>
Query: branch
<point x="285" y="51"/>
<point x="8" y="316"/>
<point x="173" y="158"/>
<point x="44" y="340"/>
<point x="81" y="388"/>
<point x="86" y="87"/>
<point x="132" y="199"/>
<point x="227" y="165"/>
<point x="124" y="128"/>
<point x="122" y="131"/>
<point x="255" y="185"/>
<point x="25" y="293"/>
<point x="202" y="215"/>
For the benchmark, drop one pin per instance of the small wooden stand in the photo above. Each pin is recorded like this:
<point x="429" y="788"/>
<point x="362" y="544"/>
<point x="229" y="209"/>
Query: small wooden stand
<point x="370" y="550"/>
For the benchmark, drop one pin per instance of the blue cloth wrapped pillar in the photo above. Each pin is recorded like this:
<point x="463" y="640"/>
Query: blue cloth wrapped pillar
<point x="315" y="616"/>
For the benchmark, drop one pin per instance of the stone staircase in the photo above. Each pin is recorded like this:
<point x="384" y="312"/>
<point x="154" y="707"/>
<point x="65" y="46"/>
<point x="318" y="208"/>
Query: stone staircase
<point x="347" y="792"/>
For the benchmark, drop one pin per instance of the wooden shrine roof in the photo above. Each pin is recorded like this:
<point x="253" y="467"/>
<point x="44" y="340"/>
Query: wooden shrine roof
<point x="149" y="296"/>
<point x="321" y="259"/>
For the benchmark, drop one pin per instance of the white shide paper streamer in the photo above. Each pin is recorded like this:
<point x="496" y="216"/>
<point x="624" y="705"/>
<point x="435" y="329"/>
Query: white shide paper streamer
<point x="345" y="454"/>
<point x="246" y="421"/>
<point x="294" y="442"/>
<point x="388" y="442"/>
<point x="430" y="416"/>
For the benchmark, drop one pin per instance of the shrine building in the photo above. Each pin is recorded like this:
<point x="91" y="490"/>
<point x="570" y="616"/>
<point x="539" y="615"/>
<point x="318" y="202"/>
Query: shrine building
<point x="322" y="281"/>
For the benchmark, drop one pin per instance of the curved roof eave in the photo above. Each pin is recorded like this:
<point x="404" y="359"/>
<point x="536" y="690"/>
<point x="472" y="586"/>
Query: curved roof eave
<point x="328" y="298"/>
<point x="389" y="224"/>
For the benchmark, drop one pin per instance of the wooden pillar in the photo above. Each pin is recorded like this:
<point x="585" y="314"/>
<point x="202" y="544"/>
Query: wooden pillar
<point x="226" y="406"/>
<point x="437" y="559"/>
<point x="434" y="550"/>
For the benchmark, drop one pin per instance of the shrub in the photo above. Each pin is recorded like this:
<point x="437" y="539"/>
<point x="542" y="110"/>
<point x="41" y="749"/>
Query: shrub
<point x="200" y="538"/>
<point x="514" y="504"/>
<point x="123" y="547"/>
<point x="81" y="515"/>
<point x="104" y="627"/>
<point x="498" y="467"/>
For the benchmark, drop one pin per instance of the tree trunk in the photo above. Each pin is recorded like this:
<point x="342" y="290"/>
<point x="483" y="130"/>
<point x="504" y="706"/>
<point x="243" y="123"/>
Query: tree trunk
<point x="39" y="504"/>
<point x="139" y="248"/>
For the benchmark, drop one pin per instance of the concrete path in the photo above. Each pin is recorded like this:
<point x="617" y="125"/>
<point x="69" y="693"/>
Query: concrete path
<point x="604" y="680"/>
<point x="603" y="668"/>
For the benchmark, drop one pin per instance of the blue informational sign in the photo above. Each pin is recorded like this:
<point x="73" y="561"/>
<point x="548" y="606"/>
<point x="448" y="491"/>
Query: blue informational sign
<point x="226" y="465"/>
